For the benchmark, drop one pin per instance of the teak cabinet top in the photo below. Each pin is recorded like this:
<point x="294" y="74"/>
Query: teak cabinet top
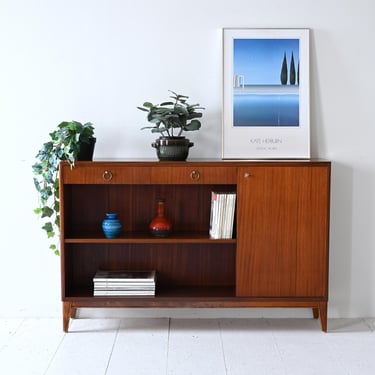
<point x="154" y="172"/>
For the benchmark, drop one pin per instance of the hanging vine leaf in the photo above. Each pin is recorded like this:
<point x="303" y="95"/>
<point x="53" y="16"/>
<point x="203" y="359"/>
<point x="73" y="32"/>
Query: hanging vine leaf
<point x="64" y="145"/>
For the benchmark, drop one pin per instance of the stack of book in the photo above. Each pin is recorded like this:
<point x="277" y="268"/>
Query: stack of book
<point x="222" y="214"/>
<point x="124" y="283"/>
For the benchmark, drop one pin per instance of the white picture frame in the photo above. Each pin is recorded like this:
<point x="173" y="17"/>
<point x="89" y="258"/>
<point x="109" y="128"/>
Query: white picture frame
<point x="266" y="101"/>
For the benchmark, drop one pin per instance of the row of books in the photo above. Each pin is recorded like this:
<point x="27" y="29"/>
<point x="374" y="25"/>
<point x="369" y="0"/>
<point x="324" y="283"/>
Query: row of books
<point x="223" y="206"/>
<point x="124" y="283"/>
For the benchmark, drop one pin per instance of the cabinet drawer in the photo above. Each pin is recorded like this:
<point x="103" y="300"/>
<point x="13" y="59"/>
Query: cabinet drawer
<point x="105" y="174"/>
<point x="193" y="175"/>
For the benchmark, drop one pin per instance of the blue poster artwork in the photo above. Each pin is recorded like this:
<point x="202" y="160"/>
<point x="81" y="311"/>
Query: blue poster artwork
<point x="266" y="82"/>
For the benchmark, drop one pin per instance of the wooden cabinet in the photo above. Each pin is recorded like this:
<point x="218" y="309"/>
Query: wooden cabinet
<point x="278" y="256"/>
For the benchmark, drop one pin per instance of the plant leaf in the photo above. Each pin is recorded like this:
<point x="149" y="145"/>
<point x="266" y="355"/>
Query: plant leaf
<point x="143" y="109"/>
<point x="193" y="125"/>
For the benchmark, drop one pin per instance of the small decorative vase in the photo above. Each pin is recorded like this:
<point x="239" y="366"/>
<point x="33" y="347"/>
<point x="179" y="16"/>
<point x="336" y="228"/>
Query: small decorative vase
<point x="111" y="226"/>
<point x="160" y="226"/>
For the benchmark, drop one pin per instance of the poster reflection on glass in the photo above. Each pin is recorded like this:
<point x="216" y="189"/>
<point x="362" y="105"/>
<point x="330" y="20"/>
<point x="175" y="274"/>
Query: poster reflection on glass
<point x="266" y="94"/>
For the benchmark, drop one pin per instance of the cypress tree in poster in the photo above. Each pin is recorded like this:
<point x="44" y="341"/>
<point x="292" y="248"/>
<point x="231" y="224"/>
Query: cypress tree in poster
<point x="284" y="72"/>
<point x="292" y="78"/>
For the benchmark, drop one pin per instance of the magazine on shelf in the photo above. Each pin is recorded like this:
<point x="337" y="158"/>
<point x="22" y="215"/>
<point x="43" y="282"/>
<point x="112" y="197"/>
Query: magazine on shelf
<point x="122" y="286"/>
<point x="125" y="276"/>
<point x="223" y="206"/>
<point x="114" y="293"/>
<point x="124" y="283"/>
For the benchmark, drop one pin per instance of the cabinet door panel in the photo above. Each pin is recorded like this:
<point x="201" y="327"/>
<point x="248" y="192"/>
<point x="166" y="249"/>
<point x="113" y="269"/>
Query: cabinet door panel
<point x="282" y="234"/>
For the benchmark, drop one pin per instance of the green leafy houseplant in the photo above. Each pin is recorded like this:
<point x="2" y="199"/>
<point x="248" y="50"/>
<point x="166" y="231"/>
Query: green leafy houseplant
<point x="171" y="119"/>
<point x="64" y="145"/>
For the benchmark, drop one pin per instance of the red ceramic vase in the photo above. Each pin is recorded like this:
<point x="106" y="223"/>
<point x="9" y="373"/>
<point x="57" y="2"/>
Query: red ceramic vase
<point x="160" y="226"/>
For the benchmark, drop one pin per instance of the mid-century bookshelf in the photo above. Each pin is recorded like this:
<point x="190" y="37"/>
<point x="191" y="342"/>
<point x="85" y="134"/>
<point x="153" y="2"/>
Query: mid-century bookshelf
<point x="278" y="256"/>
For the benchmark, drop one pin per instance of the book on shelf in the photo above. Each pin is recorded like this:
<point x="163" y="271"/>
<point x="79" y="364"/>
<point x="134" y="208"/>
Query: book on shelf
<point x="223" y="205"/>
<point x="124" y="283"/>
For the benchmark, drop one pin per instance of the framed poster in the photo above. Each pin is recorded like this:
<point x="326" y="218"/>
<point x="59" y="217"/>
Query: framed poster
<point x="266" y="109"/>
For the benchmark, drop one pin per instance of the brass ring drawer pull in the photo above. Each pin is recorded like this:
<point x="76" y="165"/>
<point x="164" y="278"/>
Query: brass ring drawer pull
<point x="107" y="175"/>
<point x="195" y="175"/>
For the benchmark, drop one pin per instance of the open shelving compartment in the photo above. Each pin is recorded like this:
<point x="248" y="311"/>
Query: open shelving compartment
<point x="191" y="267"/>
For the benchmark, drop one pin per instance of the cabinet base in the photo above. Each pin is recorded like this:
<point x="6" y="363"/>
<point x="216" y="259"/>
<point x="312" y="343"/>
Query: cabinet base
<point x="319" y="308"/>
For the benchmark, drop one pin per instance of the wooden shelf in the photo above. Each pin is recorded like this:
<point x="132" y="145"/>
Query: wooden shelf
<point x="144" y="237"/>
<point x="176" y="292"/>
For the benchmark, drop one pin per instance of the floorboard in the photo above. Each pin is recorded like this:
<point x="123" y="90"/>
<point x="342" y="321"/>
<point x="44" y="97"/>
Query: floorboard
<point x="187" y="346"/>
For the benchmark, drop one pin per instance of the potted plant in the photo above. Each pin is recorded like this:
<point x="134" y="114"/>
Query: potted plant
<point x="171" y="119"/>
<point x="71" y="141"/>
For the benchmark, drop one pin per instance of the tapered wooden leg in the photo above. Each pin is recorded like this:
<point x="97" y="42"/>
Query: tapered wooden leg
<point x="73" y="312"/>
<point x="315" y="312"/>
<point x="66" y="315"/>
<point x="323" y="315"/>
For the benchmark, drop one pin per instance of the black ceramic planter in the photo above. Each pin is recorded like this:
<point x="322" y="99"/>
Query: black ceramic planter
<point x="86" y="150"/>
<point x="172" y="148"/>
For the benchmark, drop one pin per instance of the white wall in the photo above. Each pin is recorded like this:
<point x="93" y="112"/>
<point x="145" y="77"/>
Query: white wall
<point x="94" y="60"/>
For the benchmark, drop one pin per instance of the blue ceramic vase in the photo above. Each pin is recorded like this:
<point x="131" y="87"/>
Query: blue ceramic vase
<point x="111" y="226"/>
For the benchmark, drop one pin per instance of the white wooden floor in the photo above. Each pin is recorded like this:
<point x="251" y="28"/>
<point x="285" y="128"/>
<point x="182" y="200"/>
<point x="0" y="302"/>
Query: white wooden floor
<point x="187" y="346"/>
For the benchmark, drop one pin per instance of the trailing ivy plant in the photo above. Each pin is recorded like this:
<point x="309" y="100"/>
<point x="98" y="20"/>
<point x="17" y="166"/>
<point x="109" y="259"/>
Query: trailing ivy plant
<point x="64" y="145"/>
